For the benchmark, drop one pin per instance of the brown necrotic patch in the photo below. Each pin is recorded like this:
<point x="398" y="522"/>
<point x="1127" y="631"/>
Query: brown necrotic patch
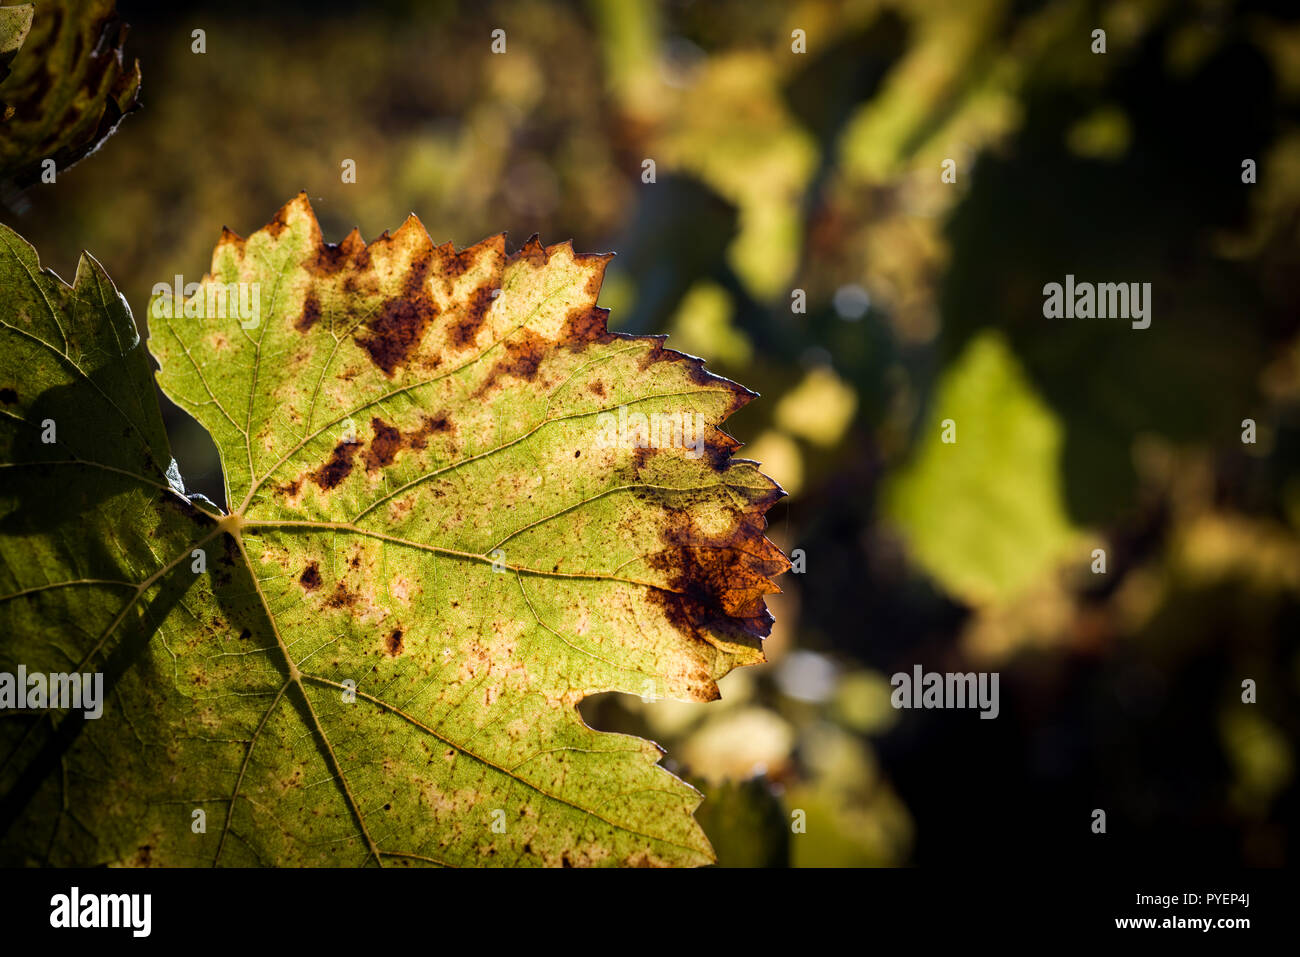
<point x="586" y="324"/>
<point x="389" y="440"/>
<point x="466" y="326"/>
<point x="395" y="334"/>
<point x="310" y="313"/>
<point x="644" y="859"/>
<point x="360" y="285"/>
<point x="310" y="578"/>
<point x="717" y="583"/>
<point x="452" y="265"/>
<point x="524" y="352"/>
<point x="331" y="259"/>
<point x="384" y="446"/>
<point x="280" y="222"/>
<point x="533" y="252"/>
<point x="341" y="597"/>
<point x="338" y="467"/>
<point x="433" y="424"/>
<point x="393" y="642"/>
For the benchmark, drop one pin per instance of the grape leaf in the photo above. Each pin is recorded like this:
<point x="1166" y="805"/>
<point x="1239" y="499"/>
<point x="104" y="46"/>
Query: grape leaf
<point x="985" y="514"/>
<point x="437" y="547"/>
<point x="68" y="88"/>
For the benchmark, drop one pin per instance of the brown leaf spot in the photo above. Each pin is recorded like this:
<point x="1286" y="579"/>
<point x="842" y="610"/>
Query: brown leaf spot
<point x="338" y="467"/>
<point x="717" y="583"/>
<point x="310" y="313"/>
<point x="389" y="440"/>
<point x="465" y="329"/>
<point x="384" y="446"/>
<point x="341" y="598"/>
<point x="393" y="642"/>
<point x="524" y="353"/>
<point x="361" y="283"/>
<point x="586" y="324"/>
<point x="437" y="423"/>
<point x="280" y="222"/>
<point x="452" y="265"/>
<point x="310" y="579"/>
<point x="330" y="259"/>
<point x="395" y="335"/>
<point x="533" y="252"/>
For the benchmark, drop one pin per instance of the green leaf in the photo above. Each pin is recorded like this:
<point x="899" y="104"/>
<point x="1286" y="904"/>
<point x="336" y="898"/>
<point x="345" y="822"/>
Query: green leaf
<point x="746" y="823"/>
<point x="985" y="515"/>
<point x="68" y="89"/>
<point x="434" y="554"/>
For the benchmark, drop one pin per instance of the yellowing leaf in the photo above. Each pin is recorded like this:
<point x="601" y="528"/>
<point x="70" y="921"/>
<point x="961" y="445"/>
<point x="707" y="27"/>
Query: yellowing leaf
<point x="438" y="544"/>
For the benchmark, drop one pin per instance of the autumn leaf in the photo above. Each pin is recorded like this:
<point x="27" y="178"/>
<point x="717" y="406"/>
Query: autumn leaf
<point x="443" y="535"/>
<point x="67" y="88"/>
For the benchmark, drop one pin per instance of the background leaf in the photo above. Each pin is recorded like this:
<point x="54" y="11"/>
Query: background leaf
<point x="985" y="514"/>
<point x="68" y="88"/>
<point x="14" y="24"/>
